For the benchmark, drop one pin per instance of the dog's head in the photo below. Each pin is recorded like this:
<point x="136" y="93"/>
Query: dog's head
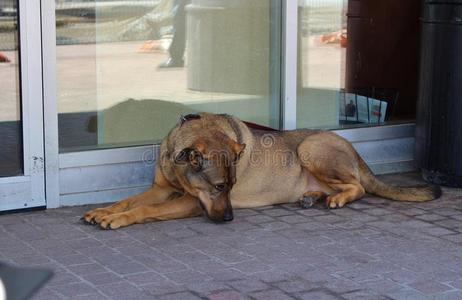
<point x="207" y="170"/>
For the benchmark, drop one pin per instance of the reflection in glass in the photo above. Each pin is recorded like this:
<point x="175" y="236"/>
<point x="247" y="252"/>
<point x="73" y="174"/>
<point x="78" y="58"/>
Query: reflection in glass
<point x="11" y="161"/>
<point x="128" y="69"/>
<point x="358" y="62"/>
<point x="321" y="67"/>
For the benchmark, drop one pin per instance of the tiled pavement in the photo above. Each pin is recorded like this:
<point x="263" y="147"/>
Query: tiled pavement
<point x="373" y="249"/>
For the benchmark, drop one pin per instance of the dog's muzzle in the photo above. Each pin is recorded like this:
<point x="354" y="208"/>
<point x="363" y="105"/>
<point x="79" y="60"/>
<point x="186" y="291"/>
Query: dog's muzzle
<point x="228" y="216"/>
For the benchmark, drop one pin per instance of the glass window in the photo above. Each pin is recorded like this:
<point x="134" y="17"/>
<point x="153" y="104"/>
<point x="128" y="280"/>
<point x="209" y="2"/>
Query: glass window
<point x="128" y="69"/>
<point x="11" y="152"/>
<point x="358" y="62"/>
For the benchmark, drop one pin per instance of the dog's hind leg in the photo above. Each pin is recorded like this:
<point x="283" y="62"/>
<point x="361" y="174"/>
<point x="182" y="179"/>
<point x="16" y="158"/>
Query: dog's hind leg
<point x="348" y="192"/>
<point x="334" y="162"/>
<point x="160" y="191"/>
<point x="181" y="207"/>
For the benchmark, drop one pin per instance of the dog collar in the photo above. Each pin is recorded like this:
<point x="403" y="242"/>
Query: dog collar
<point x="188" y="117"/>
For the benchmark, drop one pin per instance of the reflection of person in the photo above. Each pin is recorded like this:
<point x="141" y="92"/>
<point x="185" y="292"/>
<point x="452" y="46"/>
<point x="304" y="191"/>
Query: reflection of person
<point x="350" y="109"/>
<point x="178" y="45"/>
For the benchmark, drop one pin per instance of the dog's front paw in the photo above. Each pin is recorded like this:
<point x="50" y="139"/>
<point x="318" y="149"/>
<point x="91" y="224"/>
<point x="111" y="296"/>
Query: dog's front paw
<point x="115" y="221"/>
<point x="95" y="216"/>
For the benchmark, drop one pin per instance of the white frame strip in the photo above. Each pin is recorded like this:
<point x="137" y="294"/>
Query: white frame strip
<point x="31" y="94"/>
<point x="289" y="78"/>
<point x="50" y="103"/>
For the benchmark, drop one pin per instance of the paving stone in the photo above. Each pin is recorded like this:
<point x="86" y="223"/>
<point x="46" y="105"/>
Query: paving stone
<point x="187" y="277"/>
<point x="359" y="276"/>
<point x="457" y="283"/>
<point x="146" y="278"/>
<point x="233" y="256"/>
<point x="252" y="266"/>
<point x="457" y="238"/>
<point x="341" y="286"/>
<point x="271" y="294"/>
<point x="430" y="217"/>
<point x="120" y="290"/>
<point x="226" y="295"/>
<point x="31" y="260"/>
<point x="248" y="285"/>
<point x="383" y="286"/>
<point x="295" y="286"/>
<point x="407" y="295"/>
<point x="404" y="276"/>
<point x="430" y="287"/>
<point x="437" y="231"/>
<point x="160" y="265"/>
<point x="259" y="219"/>
<point x="292" y="219"/>
<point x="277" y="212"/>
<point x="102" y="278"/>
<point x="207" y="287"/>
<point x="310" y="212"/>
<point x="315" y="276"/>
<point x="128" y="268"/>
<point x="225" y="274"/>
<point x="180" y="296"/>
<point x="274" y="275"/>
<point x="74" y="289"/>
<point x="48" y="294"/>
<point x="111" y="259"/>
<point x="63" y="278"/>
<point x="75" y="259"/>
<point x="446" y="211"/>
<point x="452" y="295"/>
<point x="449" y="223"/>
<point x="378" y="211"/>
<point x="157" y="289"/>
<point x="192" y="256"/>
<point x="319" y="295"/>
<point x="83" y="243"/>
<point x="275" y="225"/>
<point x="366" y="295"/>
<point x="84" y="269"/>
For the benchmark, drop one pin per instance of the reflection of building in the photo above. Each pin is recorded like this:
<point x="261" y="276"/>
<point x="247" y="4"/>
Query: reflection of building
<point x="7" y="4"/>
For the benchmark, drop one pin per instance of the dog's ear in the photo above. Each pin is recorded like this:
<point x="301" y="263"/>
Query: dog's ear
<point x="196" y="159"/>
<point x="192" y="156"/>
<point x="237" y="148"/>
<point x="183" y="156"/>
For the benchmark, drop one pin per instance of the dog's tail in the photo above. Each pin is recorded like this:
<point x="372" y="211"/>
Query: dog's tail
<point x="374" y="186"/>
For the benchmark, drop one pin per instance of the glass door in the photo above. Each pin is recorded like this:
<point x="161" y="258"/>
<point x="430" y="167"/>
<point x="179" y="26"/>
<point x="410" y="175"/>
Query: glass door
<point x="21" y="111"/>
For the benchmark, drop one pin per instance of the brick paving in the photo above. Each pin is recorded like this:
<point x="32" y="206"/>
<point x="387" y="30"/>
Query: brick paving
<point x="372" y="249"/>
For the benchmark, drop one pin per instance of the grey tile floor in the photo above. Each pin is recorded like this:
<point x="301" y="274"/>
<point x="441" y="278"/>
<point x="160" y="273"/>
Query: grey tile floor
<point x="372" y="249"/>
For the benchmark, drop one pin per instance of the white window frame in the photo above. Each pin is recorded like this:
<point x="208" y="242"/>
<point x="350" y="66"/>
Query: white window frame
<point x="107" y="175"/>
<point x="289" y="64"/>
<point x="50" y="101"/>
<point x="28" y="190"/>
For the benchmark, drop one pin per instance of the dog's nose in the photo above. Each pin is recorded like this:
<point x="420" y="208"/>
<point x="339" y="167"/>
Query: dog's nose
<point x="228" y="216"/>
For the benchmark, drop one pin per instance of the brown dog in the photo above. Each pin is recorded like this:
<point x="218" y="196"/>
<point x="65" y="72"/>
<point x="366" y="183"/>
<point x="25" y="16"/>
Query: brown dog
<point x="213" y="163"/>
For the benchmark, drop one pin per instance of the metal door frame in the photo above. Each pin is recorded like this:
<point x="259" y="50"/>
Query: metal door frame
<point x="28" y="190"/>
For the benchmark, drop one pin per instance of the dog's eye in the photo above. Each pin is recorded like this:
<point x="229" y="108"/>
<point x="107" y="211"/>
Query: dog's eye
<point x="220" y="187"/>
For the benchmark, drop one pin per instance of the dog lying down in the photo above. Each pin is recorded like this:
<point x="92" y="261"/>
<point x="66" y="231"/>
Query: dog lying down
<point x="210" y="164"/>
